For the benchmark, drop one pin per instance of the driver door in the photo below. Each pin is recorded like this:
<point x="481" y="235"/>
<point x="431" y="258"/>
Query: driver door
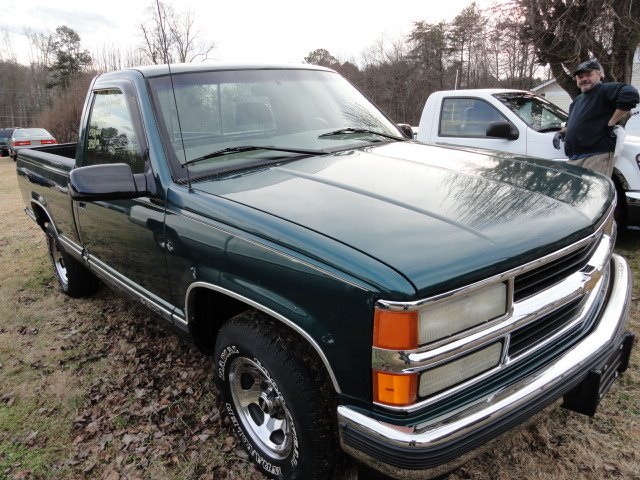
<point x="123" y="239"/>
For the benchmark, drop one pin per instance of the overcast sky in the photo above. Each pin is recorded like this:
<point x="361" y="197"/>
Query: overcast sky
<point x="277" y="30"/>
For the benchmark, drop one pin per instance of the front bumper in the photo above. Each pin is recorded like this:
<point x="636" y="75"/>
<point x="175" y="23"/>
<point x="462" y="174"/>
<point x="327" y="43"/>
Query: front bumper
<point x="438" y="447"/>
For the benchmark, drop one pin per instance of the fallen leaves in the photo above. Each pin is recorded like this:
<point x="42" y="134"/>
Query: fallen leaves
<point x="8" y="399"/>
<point x="22" y="330"/>
<point x="155" y="407"/>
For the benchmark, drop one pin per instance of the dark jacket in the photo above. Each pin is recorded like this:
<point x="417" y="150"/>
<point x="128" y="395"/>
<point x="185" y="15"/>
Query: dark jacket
<point x="589" y="113"/>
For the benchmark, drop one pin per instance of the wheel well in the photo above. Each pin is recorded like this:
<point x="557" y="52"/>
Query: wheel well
<point x="619" y="180"/>
<point x="621" y="186"/>
<point x="208" y="311"/>
<point x="42" y="219"/>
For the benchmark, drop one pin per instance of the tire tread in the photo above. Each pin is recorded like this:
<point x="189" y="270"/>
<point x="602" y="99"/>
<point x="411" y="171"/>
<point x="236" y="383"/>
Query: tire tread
<point x="310" y="381"/>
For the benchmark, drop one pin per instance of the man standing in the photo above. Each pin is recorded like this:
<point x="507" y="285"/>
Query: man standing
<point x="589" y="135"/>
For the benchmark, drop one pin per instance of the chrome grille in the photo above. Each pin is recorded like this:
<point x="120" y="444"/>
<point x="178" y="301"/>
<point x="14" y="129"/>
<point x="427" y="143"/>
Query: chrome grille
<point x="536" y="280"/>
<point x="544" y="327"/>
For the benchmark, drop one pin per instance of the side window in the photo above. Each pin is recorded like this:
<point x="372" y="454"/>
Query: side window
<point x="466" y="117"/>
<point x="112" y="137"/>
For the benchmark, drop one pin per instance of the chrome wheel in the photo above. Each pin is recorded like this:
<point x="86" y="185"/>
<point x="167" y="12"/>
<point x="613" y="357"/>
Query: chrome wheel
<point x="58" y="261"/>
<point x="261" y="407"/>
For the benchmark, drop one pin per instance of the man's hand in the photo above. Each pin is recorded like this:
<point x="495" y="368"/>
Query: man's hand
<point x="616" y="117"/>
<point x="557" y="138"/>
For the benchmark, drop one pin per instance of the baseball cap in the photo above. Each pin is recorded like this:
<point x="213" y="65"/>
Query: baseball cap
<point x="587" y="66"/>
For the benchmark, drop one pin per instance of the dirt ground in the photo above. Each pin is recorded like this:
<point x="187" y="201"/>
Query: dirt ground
<point x="98" y="388"/>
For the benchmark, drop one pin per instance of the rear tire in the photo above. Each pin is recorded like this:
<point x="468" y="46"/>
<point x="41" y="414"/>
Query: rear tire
<point x="74" y="278"/>
<point x="281" y="404"/>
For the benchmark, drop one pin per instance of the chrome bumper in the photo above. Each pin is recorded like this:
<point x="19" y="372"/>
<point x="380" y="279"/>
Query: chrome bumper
<point x="450" y="441"/>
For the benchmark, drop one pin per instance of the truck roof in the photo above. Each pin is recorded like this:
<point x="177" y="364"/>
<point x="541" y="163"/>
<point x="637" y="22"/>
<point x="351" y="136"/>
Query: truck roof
<point x="480" y="91"/>
<point x="177" y="68"/>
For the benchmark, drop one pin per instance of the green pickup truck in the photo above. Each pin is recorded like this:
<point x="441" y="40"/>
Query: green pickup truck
<point x="358" y="292"/>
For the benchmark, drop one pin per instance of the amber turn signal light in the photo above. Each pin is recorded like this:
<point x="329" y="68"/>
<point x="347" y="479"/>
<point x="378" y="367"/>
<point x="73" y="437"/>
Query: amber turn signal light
<point x="395" y="330"/>
<point x="394" y="389"/>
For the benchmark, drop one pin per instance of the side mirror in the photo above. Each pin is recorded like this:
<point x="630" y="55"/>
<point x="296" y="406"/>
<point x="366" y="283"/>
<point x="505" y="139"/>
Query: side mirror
<point x="111" y="181"/>
<point x="406" y="130"/>
<point x="502" y="130"/>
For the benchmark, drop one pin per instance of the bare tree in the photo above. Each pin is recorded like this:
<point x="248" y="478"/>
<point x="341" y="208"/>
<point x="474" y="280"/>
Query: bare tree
<point x="107" y="58"/>
<point x="62" y="118"/>
<point x="36" y="76"/>
<point x="513" y="61"/>
<point x="7" y="53"/>
<point x="431" y="54"/>
<point x="466" y="36"/>
<point x="567" y="32"/>
<point x="390" y="79"/>
<point x="41" y="50"/>
<point x="169" y="36"/>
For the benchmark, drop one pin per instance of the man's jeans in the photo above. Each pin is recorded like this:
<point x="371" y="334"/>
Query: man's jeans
<point x="600" y="162"/>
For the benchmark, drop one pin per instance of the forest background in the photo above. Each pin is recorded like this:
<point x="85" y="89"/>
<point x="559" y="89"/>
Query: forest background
<point x="511" y="44"/>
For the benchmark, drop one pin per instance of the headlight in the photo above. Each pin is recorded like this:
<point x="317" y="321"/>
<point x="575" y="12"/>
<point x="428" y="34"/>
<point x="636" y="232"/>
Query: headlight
<point x="457" y="371"/>
<point x="406" y="330"/>
<point x="451" y="317"/>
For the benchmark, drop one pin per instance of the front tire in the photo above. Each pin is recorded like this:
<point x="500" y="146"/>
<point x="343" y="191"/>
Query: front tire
<point x="280" y="402"/>
<point x="74" y="278"/>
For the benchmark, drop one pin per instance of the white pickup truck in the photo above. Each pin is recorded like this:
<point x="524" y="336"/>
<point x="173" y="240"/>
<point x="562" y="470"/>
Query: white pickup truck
<point x="520" y="122"/>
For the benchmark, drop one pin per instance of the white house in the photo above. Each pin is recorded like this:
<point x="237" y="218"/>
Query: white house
<point x="555" y="94"/>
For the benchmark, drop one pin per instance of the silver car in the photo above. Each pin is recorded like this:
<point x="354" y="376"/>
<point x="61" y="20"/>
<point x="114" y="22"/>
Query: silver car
<point x="28" y="138"/>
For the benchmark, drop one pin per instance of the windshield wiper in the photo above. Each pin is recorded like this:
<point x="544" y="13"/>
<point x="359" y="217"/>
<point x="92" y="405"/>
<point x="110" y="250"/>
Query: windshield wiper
<point x="248" y="148"/>
<point x="350" y="130"/>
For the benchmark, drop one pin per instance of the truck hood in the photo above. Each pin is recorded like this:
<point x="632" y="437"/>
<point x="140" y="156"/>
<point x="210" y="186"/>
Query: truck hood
<point x="438" y="216"/>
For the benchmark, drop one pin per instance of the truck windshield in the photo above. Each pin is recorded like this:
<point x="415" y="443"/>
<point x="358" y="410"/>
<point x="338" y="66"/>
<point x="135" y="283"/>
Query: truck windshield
<point x="287" y="109"/>
<point x="538" y="113"/>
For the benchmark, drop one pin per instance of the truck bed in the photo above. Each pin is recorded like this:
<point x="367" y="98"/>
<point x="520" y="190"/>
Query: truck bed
<point x="43" y="173"/>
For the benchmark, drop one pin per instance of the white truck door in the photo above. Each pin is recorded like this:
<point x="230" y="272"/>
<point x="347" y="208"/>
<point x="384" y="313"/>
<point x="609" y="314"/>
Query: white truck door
<point x="540" y="144"/>
<point x="464" y="120"/>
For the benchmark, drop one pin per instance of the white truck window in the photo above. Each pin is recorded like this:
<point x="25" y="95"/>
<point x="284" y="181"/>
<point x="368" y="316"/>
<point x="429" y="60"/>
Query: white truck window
<point x="539" y="114"/>
<point x="467" y="117"/>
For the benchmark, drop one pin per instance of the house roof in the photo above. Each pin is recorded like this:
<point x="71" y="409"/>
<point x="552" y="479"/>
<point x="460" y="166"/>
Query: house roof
<point x="542" y="85"/>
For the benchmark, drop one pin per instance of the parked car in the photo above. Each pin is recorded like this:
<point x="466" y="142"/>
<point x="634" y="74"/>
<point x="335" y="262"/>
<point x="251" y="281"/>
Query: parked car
<point x="357" y="289"/>
<point x="28" y="138"/>
<point x="5" y="135"/>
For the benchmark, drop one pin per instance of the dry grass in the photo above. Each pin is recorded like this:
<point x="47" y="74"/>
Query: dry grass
<point x="69" y="367"/>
